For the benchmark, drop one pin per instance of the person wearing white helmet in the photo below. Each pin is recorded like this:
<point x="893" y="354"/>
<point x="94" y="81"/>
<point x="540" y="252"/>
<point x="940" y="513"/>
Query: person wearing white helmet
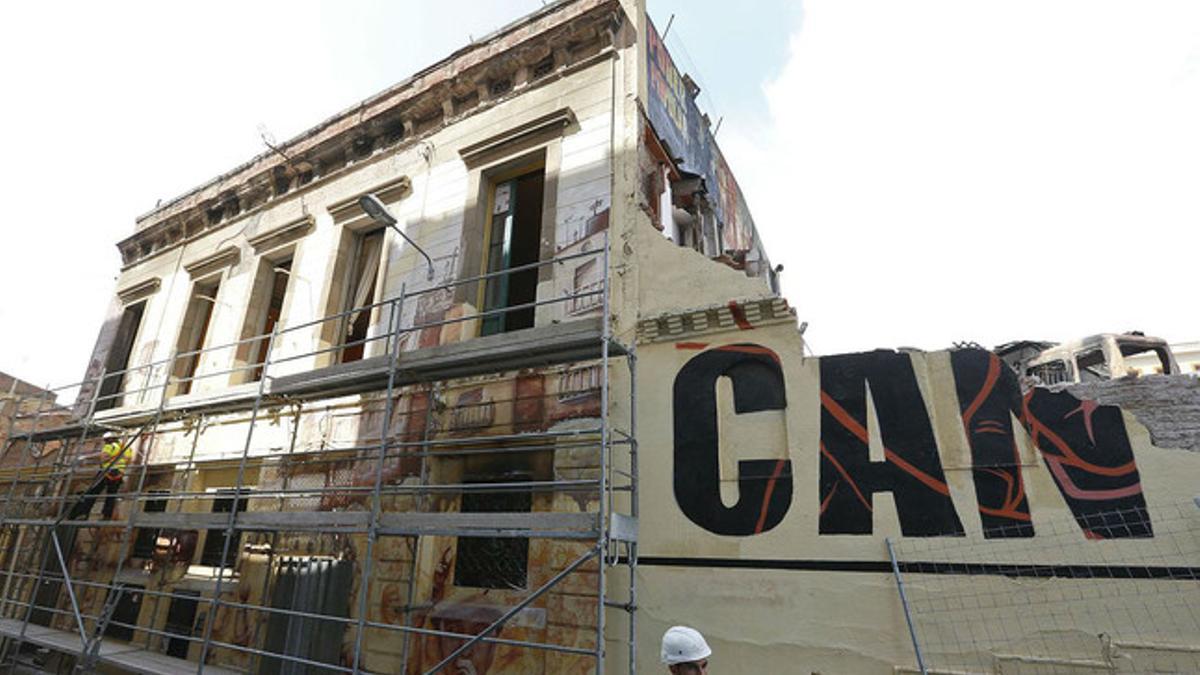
<point x="684" y="651"/>
<point x="114" y="458"/>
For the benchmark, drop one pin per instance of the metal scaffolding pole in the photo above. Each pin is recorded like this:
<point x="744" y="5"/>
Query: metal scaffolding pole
<point x="182" y="481"/>
<point x="605" y="465"/>
<point x="394" y="320"/>
<point x="91" y="651"/>
<point x="631" y="550"/>
<point x="215" y="602"/>
<point x="51" y="537"/>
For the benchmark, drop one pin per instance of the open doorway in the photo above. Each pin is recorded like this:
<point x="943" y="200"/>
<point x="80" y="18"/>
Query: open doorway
<point x="512" y="239"/>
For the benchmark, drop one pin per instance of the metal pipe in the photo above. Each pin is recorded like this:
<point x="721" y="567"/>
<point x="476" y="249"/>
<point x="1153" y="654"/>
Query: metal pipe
<point x="605" y="465"/>
<point x="233" y="511"/>
<point x="430" y="406"/>
<point x="59" y="461"/>
<point x="396" y="311"/>
<point x="632" y="547"/>
<point x="93" y="649"/>
<point x="316" y="617"/>
<point x="510" y="270"/>
<point x="503" y="310"/>
<point x="70" y="591"/>
<point x="187" y="469"/>
<point x="531" y="486"/>
<point x="912" y="632"/>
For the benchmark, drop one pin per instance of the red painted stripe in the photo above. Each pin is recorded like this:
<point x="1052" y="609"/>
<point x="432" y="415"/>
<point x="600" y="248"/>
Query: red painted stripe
<point x="931" y="482"/>
<point x="840" y="469"/>
<point x="1069" y="457"/>
<point x="750" y="349"/>
<point x="852" y="425"/>
<point x="762" y="516"/>
<point x="989" y="383"/>
<point x="832" y="491"/>
<point x="739" y="316"/>
<point x="690" y="345"/>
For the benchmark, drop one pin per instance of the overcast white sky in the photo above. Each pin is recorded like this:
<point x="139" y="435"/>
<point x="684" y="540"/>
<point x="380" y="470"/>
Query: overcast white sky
<point x="927" y="171"/>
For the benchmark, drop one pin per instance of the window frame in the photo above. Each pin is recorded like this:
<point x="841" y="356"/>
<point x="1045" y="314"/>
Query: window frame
<point x="512" y="172"/>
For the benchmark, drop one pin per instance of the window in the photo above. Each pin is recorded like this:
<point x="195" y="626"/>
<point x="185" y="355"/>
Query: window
<point x="366" y="252"/>
<point x="181" y="620"/>
<point x="143" y="546"/>
<point x="118" y="356"/>
<point x="125" y="614"/>
<point x="214" y="541"/>
<point x="266" y="309"/>
<point x="1159" y="354"/>
<point x="1092" y="366"/>
<point x="196" y="322"/>
<point x="493" y="562"/>
<point x="1053" y="372"/>
<point x="512" y="239"/>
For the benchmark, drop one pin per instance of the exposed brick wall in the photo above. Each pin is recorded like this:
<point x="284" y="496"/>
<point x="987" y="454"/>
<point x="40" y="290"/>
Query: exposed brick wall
<point x="1169" y="406"/>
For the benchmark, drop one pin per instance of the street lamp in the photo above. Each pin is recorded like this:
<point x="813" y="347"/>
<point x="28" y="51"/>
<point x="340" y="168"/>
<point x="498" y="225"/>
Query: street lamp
<point x="376" y="210"/>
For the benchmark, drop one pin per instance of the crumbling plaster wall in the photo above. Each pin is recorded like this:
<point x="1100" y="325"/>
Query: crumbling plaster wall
<point x="676" y="278"/>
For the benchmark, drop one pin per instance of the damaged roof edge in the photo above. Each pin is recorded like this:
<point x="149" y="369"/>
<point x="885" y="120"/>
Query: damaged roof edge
<point x="361" y="106"/>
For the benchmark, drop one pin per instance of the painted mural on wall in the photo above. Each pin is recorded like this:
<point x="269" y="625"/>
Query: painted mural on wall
<point x="911" y="469"/>
<point x="764" y="485"/>
<point x="681" y="126"/>
<point x="1084" y="446"/>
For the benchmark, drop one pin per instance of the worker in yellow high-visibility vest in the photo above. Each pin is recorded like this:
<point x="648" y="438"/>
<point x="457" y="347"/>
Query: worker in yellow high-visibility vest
<point x="114" y="457"/>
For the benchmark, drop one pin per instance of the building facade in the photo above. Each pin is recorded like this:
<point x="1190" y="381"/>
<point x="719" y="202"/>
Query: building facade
<point x="489" y="373"/>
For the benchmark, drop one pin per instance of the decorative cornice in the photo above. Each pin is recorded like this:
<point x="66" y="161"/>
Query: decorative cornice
<point x="540" y="48"/>
<point x="139" y="290"/>
<point x="736" y="315"/>
<point x="551" y="124"/>
<point x="211" y="263"/>
<point x="388" y="192"/>
<point x="284" y="234"/>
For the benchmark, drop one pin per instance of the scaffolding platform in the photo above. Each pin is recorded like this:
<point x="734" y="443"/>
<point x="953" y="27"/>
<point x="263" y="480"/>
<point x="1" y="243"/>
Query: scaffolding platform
<point x="555" y="344"/>
<point x="127" y="657"/>
<point x="550" y="524"/>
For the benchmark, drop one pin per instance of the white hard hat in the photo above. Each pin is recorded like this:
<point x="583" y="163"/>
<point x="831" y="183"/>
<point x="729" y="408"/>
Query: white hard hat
<point x="681" y="644"/>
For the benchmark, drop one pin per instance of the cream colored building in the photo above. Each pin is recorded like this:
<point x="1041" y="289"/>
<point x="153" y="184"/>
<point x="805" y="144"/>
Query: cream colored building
<point x="553" y="409"/>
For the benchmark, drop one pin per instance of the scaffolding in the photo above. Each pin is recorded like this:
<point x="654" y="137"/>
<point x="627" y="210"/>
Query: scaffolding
<point x="325" y="557"/>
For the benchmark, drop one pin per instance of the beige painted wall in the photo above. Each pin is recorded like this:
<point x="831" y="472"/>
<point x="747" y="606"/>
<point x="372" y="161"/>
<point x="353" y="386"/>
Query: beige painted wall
<point x="818" y="620"/>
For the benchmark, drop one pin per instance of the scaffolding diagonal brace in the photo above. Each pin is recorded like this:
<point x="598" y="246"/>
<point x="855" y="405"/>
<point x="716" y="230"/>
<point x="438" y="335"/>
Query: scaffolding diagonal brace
<point x="62" y="563"/>
<point x="512" y="611"/>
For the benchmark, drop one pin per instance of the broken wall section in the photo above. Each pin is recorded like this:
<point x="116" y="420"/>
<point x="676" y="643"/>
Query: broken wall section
<point x="1167" y="405"/>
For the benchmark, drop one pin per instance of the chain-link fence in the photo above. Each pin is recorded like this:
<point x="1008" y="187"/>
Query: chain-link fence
<point x="1060" y="601"/>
